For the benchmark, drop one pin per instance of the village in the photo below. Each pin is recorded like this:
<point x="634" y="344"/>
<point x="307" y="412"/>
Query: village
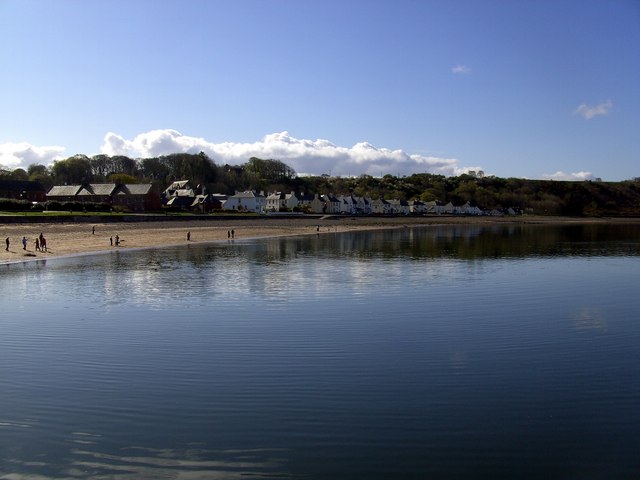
<point x="182" y="196"/>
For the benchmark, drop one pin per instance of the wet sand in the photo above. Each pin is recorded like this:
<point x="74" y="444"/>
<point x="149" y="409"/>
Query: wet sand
<point x="75" y="238"/>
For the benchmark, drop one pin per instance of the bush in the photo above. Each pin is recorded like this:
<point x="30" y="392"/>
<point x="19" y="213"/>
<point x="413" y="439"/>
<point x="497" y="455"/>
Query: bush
<point x="13" y="205"/>
<point x="55" y="205"/>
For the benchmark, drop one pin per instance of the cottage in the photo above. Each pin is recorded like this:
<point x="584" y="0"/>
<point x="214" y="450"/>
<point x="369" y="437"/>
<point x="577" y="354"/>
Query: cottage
<point x="362" y="205"/>
<point x="333" y="204"/>
<point x="180" y="188"/>
<point x="319" y="204"/>
<point x="248" y="201"/>
<point x="346" y="204"/>
<point x="130" y="197"/>
<point x="304" y="201"/>
<point x="136" y="197"/>
<point x="276" y="202"/>
<point x="96" y="192"/>
<point x="417" y="207"/>
<point x="380" y="207"/>
<point x="399" y="207"/>
<point x="469" y="209"/>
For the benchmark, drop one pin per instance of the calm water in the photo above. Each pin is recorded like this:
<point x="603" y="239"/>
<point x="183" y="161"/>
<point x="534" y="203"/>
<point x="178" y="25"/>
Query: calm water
<point x="442" y="352"/>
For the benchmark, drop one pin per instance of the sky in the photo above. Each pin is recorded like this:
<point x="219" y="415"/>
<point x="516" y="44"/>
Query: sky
<point x="514" y="88"/>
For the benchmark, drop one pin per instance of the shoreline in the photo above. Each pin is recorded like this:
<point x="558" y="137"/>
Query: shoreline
<point x="67" y="239"/>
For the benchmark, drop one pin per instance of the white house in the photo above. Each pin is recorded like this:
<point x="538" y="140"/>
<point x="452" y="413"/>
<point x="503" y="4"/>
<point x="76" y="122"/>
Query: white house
<point x="247" y="201"/>
<point x="319" y="204"/>
<point x="304" y="200"/>
<point x="333" y="204"/>
<point x="363" y="205"/>
<point x="346" y="204"/>
<point x="434" y="207"/>
<point x="380" y="207"/>
<point x="448" y="209"/>
<point x="468" y="209"/>
<point x="417" y="207"/>
<point x="275" y="201"/>
<point x="292" y="200"/>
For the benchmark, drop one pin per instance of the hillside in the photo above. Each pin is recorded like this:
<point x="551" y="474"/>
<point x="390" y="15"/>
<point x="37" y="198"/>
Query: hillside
<point x="540" y="197"/>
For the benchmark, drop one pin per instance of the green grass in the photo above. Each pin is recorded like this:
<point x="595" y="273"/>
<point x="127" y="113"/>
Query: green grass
<point x="62" y="213"/>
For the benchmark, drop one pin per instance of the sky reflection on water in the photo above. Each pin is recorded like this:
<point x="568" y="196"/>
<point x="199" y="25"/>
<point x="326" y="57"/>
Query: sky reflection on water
<point x="409" y="353"/>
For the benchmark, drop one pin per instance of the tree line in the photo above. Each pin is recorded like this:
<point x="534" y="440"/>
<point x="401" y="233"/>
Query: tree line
<point x="543" y="197"/>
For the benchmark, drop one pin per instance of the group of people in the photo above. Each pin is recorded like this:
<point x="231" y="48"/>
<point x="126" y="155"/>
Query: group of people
<point x="40" y="243"/>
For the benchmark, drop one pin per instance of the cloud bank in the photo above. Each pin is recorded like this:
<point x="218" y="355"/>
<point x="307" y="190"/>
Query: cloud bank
<point x="590" y="111"/>
<point x="577" y="176"/>
<point x="312" y="157"/>
<point x="21" y="155"/>
<point x="306" y="157"/>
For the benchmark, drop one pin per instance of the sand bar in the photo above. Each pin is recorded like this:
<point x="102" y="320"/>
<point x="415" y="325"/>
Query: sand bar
<point x="73" y="238"/>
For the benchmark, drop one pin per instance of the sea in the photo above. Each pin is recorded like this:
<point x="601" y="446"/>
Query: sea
<point x="439" y="352"/>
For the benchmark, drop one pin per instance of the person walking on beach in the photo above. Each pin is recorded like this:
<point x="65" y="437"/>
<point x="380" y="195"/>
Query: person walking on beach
<point x="24" y="243"/>
<point x="117" y="240"/>
<point x="43" y="243"/>
<point x="111" y="240"/>
<point x="93" y="230"/>
<point x="233" y="234"/>
<point x="7" y="240"/>
<point x="228" y="233"/>
<point x="188" y="236"/>
<point x="37" y="244"/>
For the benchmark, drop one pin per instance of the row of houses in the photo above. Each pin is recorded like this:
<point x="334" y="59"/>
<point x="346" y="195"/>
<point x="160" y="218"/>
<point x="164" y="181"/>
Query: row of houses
<point x="181" y="195"/>
<point x="138" y="197"/>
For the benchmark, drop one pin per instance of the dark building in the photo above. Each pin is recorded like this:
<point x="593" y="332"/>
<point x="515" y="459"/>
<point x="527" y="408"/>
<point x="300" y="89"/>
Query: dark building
<point x="22" y="190"/>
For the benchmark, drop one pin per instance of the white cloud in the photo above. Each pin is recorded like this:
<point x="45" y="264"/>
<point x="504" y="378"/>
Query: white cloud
<point x="577" y="176"/>
<point x="589" y="111"/>
<point x="313" y="157"/>
<point x="461" y="70"/>
<point x="21" y="155"/>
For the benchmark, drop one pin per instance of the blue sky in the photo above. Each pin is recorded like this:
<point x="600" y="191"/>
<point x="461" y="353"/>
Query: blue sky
<point x="535" y="89"/>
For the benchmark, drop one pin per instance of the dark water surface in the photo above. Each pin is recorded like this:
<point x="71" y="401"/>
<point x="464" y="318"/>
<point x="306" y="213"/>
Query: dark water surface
<point x="439" y="352"/>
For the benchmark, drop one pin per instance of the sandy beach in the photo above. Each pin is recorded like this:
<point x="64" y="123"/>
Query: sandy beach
<point x="75" y="238"/>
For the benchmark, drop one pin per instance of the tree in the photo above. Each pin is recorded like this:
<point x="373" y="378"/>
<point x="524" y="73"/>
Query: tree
<point x="153" y="169"/>
<point x="37" y="169"/>
<point x="100" y="165"/>
<point x="123" y="164"/>
<point x="121" y="178"/>
<point x="76" y="169"/>
<point x="271" y="171"/>
<point x="200" y="169"/>
<point x="19" y="174"/>
<point x="40" y="173"/>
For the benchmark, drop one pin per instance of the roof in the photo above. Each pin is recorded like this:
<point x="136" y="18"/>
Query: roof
<point x="247" y="194"/>
<point x="277" y="196"/>
<point x="181" y="201"/>
<point x="135" y="189"/>
<point x="97" y="189"/>
<point x="180" y="184"/>
<point x="63" y="190"/>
